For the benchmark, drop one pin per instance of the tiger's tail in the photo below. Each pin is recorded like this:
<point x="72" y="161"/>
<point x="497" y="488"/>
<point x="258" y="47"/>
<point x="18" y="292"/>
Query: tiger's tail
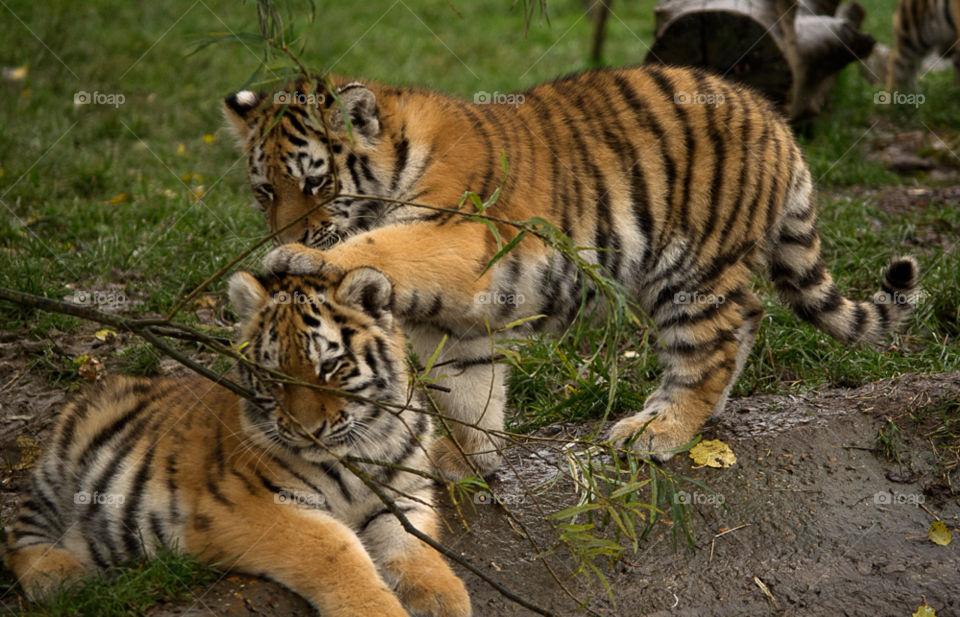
<point x="803" y="281"/>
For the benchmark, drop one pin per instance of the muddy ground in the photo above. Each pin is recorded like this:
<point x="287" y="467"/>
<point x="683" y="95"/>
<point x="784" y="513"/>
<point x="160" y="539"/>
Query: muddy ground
<point x="827" y="522"/>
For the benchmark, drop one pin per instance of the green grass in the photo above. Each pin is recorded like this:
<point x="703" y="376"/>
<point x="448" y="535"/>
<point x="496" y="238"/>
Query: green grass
<point x="130" y="589"/>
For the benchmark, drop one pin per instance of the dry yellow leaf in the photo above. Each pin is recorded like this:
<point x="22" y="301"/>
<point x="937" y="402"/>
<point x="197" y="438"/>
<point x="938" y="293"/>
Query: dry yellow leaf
<point x="105" y="335"/>
<point x="925" y="611"/>
<point x="940" y="534"/>
<point x="119" y="199"/>
<point x="713" y="453"/>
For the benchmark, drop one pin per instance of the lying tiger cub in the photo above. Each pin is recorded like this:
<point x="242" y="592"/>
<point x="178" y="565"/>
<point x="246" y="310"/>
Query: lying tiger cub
<point x="135" y="463"/>
<point x="686" y="184"/>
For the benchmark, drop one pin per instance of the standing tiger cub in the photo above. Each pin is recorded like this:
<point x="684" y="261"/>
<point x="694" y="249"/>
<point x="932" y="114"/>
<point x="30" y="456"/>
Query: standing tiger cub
<point x="135" y="463"/>
<point x="921" y="27"/>
<point x="687" y="199"/>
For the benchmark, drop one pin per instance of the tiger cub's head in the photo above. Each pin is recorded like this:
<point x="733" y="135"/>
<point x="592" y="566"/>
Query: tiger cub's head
<point x="290" y="164"/>
<point x="331" y="330"/>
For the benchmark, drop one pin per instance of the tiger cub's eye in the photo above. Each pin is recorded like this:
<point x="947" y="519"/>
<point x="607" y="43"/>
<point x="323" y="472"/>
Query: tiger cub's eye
<point x="313" y="184"/>
<point x="328" y="367"/>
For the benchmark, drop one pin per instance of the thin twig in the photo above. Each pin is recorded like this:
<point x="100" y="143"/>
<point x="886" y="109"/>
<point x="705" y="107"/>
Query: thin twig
<point x="720" y="535"/>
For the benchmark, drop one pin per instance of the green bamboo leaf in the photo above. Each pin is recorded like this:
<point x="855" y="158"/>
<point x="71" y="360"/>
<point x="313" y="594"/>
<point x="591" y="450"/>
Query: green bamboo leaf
<point x="466" y="195"/>
<point x="509" y="246"/>
<point x="603" y="581"/>
<point x="477" y="202"/>
<point x="576" y="510"/>
<point x="633" y="486"/>
<point x="436" y="354"/>
<point x="493" y="229"/>
<point x="519" y="322"/>
<point x="493" y="199"/>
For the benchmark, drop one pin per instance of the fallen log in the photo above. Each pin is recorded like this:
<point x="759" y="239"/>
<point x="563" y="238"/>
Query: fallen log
<point x="789" y="51"/>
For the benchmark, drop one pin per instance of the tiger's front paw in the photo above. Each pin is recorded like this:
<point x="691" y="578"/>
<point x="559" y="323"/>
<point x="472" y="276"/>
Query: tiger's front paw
<point x="294" y="259"/>
<point x="654" y="442"/>
<point x="438" y="593"/>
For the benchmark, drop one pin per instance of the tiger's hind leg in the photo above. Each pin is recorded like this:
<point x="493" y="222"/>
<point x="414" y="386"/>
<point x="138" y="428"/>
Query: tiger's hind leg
<point x="41" y="569"/>
<point x="908" y="51"/>
<point x="751" y="310"/>
<point x="704" y="345"/>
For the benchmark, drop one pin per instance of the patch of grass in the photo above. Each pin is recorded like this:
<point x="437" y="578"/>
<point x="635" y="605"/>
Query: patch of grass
<point x="222" y="364"/>
<point x="889" y="441"/>
<point x="130" y="589"/>
<point x="559" y="381"/>
<point x="58" y="369"/>
<point x="139" y="360"/>
<point x="939" y="424"/>
<point x="836" y="143"/>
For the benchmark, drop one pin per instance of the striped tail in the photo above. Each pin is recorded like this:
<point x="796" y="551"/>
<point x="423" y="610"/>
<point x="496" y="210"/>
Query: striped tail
<point x="803" y="281"/>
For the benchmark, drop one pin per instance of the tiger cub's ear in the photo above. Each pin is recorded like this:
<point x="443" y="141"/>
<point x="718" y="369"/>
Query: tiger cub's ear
<point x="361" y="105"/>
<point x="368" y="290"/>
<point x="246" y="294"/>
<point x="239" y="109"/>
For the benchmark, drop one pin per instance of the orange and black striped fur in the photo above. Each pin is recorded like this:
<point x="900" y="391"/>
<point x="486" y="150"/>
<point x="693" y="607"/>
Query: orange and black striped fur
<point x="922" y="27"/>
<point x="188" y="464"/>
<point x="688" y="198"/>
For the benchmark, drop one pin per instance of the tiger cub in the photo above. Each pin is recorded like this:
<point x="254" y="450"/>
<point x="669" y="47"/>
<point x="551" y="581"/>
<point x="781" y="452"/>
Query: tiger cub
<point x="921" y="27"/>
<point x="688" y="183"/>
<point x="135" y="463"/>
